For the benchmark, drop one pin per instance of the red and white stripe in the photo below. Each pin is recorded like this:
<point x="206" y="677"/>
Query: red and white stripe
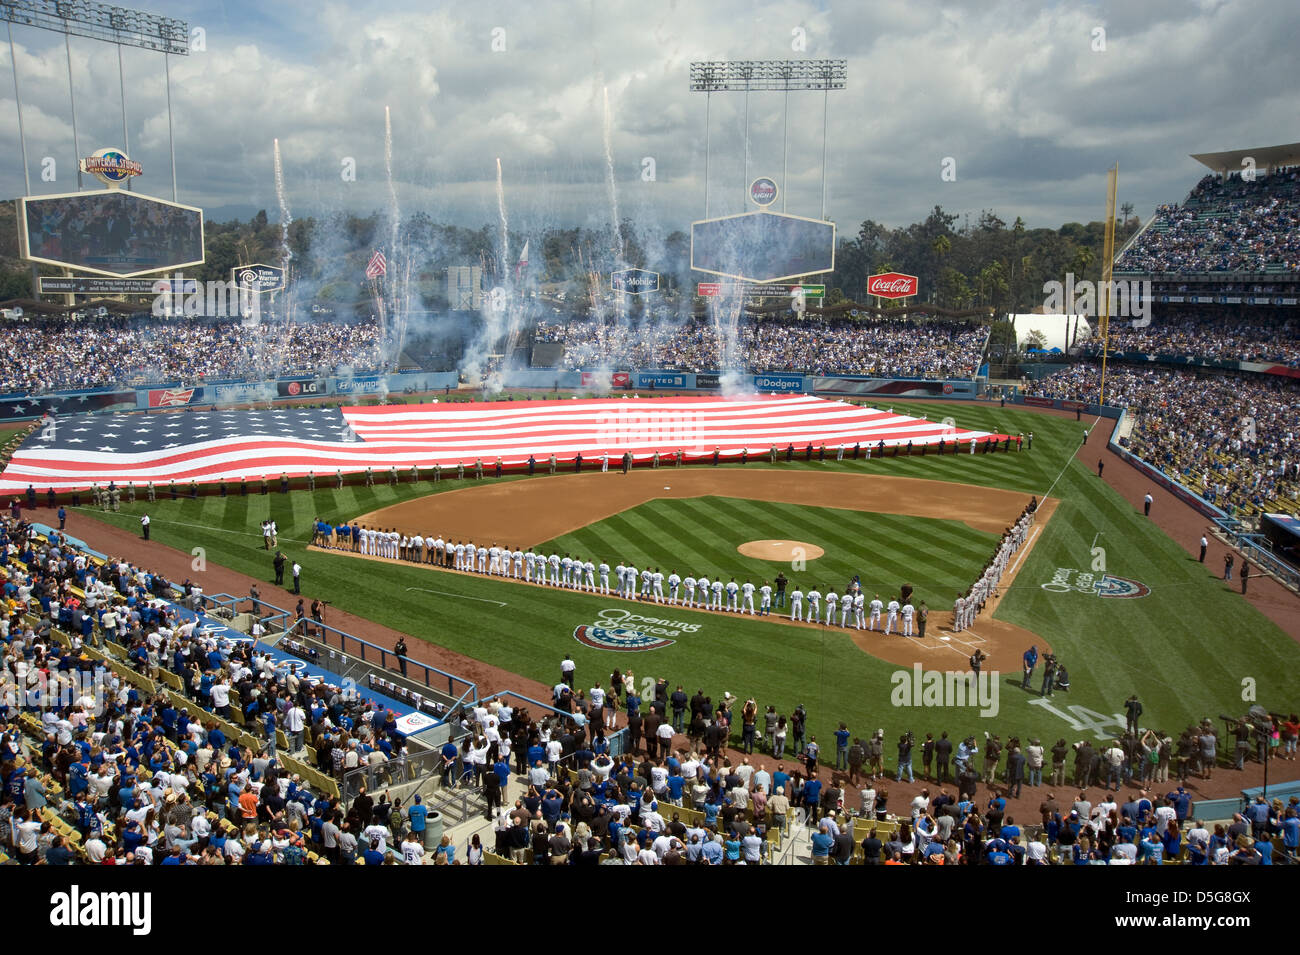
<point x="403" y="435"/>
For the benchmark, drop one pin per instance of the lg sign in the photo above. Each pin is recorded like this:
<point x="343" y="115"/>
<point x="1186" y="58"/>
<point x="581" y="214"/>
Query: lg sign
<point x="892" y="285"/>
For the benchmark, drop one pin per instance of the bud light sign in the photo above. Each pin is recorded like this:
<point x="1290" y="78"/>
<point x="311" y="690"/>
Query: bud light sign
<point x="763" y="191"/>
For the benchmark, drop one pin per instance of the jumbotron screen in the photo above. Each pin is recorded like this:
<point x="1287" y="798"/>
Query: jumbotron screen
<point x="762" y="246"/>
<point x="111" y="232"/>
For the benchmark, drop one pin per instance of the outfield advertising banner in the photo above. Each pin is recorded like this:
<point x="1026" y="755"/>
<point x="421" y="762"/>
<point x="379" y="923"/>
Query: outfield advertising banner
<point x="174" y="397"/>
<point x="894" y="388"/>
<point x="665" y="379"/>
<point x="781" y="384"/>
<point x="368" y="385"/>
<point x="708" y="379"/>
<point x="244" y="391"/>
<point x="616" y="379"/>
<point x="302" y="388"/>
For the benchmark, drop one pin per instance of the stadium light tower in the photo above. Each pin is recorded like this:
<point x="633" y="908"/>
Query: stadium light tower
<point x="717" y="76"/>
<point x="98" y="21"/>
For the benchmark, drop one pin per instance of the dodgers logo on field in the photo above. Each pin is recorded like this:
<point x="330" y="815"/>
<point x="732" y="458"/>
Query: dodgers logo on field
<point x="1112" y="586"/>
<point x="1068" y="579"/>
<point x="618" y="638"/>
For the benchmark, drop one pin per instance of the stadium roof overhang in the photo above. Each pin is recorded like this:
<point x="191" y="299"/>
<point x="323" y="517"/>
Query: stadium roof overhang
<point x="1265" y="157"/>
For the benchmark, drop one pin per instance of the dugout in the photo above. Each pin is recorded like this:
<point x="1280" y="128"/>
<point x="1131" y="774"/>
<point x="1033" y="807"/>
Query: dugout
<point x="1283" y="532"/>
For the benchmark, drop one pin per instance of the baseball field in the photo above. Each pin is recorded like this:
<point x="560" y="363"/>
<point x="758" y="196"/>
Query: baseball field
<point x="1123" y="606"/>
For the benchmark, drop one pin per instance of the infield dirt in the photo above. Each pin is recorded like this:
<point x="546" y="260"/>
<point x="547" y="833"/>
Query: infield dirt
<point x="525" y="513"/>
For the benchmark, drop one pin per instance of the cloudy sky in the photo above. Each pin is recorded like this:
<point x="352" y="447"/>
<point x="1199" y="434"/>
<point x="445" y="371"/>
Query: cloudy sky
<point x="1021" y="96"/>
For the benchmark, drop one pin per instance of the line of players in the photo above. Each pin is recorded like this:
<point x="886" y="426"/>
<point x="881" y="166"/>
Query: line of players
<point x="585" y="575"/>
<point x="969" y="605"/>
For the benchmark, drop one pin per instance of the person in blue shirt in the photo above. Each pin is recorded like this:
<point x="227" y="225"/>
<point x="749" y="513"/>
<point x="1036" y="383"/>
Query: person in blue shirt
<point x="1030" y="661"/>
<point x="822" y="842"/>
<point x="731" y="849"/>
<point x="842" y="747"/>
<point x="712" y="852"/>
<point x="417" y="813"/>
<point x="812" y="791"/>
<point x="373" y="856"/>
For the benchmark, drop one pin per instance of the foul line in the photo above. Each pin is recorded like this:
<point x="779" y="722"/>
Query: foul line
<point x="1024" y="552"/>
<point x="426" y="590"/>
<point x="218" y="530"/>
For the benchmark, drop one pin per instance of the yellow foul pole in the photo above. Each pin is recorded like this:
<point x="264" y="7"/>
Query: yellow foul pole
<point x="1107" y="269"/>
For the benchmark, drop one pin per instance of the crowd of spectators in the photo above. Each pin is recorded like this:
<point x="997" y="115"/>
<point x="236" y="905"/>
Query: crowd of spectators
<point x="144" y="779"/>
<point x="1218" y="334"/>
<point x="39" y="355"/>
<point x="1233" y="438"/>
<point x="94" y="770"/>
<point x="879" y="347"/>
<point x="1231" y="225"/>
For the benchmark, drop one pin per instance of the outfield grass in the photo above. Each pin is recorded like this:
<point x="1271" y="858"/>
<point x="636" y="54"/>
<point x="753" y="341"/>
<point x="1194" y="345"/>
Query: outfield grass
<point x="700" y="535"/>
<point x="1185" y="648"/>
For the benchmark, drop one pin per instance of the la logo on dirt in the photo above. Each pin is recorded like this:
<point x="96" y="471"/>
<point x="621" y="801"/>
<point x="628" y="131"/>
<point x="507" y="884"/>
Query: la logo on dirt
<point x="618" y="629"/>
<point x="1067" y="579"/>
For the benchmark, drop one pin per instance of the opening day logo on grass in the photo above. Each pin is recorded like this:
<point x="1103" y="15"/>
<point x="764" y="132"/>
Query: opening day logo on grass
<point x="1107" y="585"/>
<point x="618" y="629"/>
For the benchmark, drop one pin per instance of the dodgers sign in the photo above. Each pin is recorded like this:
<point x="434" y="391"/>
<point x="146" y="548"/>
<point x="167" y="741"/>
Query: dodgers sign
<point x="781" y="384"/>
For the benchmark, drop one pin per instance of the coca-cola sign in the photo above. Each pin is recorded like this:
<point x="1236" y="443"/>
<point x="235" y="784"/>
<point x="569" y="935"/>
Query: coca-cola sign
<point x="892" y="285"/>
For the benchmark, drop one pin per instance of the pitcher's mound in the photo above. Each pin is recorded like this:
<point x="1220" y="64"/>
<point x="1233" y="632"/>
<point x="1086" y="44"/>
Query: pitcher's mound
<point x="781" y="550"/>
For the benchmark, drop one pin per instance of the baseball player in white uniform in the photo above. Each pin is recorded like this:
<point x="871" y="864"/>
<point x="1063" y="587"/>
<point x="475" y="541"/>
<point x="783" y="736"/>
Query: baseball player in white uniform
<point x="908" y="611"/>
<point x="494" y="559"/>
<point x="589" y="571"/>
<point x="703" y="583"/>
<point x="958" y="609"/>
<point x="657" y="581"/>
<point x="796" y="603"/>
<point x="688" y="591"/>
<point x="518" y="556"/>
<point x="859" y="617"/>
<point x="566" y="565"/>
<point x="530" y="565"/>
<point x="482" y="560"/>
<point x="604" y="577"/>
<point x="717" y="594"/>
<point x="765" y="600"/>
<point x="629" y="582"/>
<point x="832" y="599"/>
<point x="747" y="598"/>
<point x="733" y="589"/>
<point x="891" y="617"/>
<point x="814" y="605"/>
<point x="647" y="577"/>
<point x="554" y="561"/>
<point x="674" y="582"/>
<point x="620" y="572"/>
<point x="876" y="606"/>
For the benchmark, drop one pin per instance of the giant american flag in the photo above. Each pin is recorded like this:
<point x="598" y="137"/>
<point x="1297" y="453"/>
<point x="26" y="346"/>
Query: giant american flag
<point x="211" y="446"/>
